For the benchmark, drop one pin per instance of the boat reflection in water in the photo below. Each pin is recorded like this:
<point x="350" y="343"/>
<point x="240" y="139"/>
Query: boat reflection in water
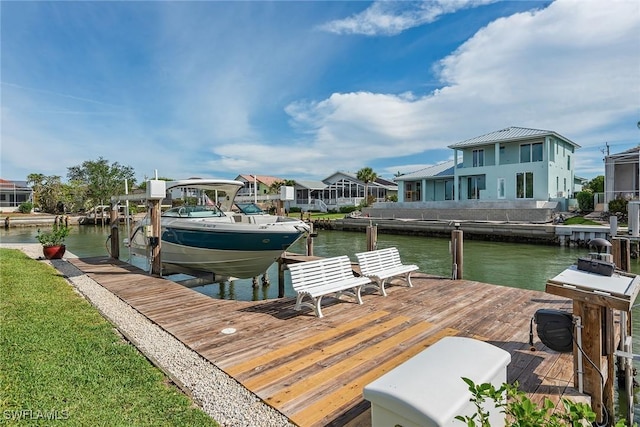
<point x="233" y="240"/>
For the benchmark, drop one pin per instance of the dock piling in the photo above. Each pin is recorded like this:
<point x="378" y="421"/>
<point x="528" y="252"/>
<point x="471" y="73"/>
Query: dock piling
<point x="457" y="246"/>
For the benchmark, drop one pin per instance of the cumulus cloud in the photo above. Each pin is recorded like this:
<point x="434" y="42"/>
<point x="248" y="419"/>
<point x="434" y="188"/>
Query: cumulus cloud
<point x="572" y="67"/>
<point x="393" y="17"/>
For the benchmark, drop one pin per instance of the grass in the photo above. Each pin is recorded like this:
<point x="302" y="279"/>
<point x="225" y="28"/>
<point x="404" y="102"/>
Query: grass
<point x="578" y="220"/>
<point x="61" y="360"/>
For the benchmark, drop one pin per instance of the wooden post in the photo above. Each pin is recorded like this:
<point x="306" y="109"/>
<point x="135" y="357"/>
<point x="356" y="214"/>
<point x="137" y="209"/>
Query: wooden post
<point x="310" y="240"/>
<point x="372" y="237"/>
<point x="621" y="251"/>
<point x="281" y="267"/>
<point x="115" y="233"/>
<point x="156" y="264"/>
<point x="457" y="246"/>
<point x="592" y="338"/>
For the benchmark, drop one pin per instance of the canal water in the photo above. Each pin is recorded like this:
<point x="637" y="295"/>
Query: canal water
<point x="508" y="264"/>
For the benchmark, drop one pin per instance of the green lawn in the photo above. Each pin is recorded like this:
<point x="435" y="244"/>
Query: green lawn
<point x="578" y="220"/>
<point x="62" y="362"/>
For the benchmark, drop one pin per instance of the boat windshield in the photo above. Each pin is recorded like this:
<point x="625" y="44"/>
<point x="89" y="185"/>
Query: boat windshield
<point x="194" y="212"/>
<point x="249" y="209"/>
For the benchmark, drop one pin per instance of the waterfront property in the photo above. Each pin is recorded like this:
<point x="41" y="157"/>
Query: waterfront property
<point x="14" y="193"/>
<point x="509" y="164"/>
<point x="335" y="191"/>
<point x="622" y="173"/>
<point x="314" y="370"/>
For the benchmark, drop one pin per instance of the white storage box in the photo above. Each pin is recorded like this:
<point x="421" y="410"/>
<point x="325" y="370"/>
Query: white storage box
<point x="427" y="390"/>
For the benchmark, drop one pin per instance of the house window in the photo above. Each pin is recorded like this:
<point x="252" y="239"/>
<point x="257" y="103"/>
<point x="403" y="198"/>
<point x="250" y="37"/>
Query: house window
<point x="501" y="153"/>
<point x="501" y="192"/>
<point x="531" y="152"/>
<point x="448" y="190"/>
<point x="478" y="158"/>
<point x="524" y="185"/>
<point x="568" y="162"/>
<point x="474" y="185"/>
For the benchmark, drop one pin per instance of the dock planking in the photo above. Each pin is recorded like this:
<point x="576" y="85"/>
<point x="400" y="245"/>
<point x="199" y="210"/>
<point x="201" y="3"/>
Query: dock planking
<point x="314" y="370"/>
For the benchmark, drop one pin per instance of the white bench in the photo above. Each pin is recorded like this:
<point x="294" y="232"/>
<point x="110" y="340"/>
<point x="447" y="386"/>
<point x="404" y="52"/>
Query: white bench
<point x="383" y="264"/>
<point x="315" y="279"/>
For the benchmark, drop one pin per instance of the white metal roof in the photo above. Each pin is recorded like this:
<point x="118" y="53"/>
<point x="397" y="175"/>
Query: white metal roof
<point x="512" y="133"/>
<point x="444" y="169"/>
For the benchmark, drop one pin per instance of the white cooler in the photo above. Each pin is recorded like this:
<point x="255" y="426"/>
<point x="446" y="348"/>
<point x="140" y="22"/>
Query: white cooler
<point x="427" y="390"/>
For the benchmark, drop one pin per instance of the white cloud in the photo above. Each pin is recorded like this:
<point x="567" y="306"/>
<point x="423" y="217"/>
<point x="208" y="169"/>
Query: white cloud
<point x="393" y="17"/>
<point x="572" y="68"/>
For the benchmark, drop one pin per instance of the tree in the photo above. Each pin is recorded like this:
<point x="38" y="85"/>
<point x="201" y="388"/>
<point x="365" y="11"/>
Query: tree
<point x="275" y="187"/>
<point x="50" y="192"/>
<point x="366" y="175"/>
<point x="102" y="180"/>
<point x="596" y="184"/>
<point x="74" y="195"/>
<point x="36" y="181"/>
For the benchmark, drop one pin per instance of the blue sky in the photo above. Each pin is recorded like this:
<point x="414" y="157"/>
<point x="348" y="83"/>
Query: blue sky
<point x="300" y="90"/>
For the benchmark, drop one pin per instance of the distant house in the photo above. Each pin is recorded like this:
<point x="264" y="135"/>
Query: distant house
<point x="14" y="193"/>
<point x="340" y="189"/>
<point x="256" y="184"/>
<point x="509" y="164"/>
<point x="622" y="176"/>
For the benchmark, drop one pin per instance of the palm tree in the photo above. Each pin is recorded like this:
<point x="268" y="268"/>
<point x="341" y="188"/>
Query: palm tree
<point x="366" y="175"/>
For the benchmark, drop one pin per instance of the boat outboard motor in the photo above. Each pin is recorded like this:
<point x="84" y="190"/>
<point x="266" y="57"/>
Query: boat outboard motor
<point x="555" y="329"/>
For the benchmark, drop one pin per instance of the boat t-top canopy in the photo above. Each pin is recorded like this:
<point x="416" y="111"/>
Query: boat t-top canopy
<point x="224" y="189"/>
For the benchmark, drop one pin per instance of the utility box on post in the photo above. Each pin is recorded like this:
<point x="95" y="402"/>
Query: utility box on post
<point x="156" y="189"/>
<point x="287" y="193"/>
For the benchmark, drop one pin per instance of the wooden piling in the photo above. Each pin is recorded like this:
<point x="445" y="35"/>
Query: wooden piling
<point x="281" y="267"/>
<point x="372" y="237"/>
<point x="457" y="246"/>
<point x="621" y="251"/>
<point x="115" y="232"/>
<point x="310" y="235"/>
<point x="156" y="264"/>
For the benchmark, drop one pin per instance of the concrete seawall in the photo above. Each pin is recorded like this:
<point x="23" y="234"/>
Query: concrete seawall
<point x="549" y="234"/>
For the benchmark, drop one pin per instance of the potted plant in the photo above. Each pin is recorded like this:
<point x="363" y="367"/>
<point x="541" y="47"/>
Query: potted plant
<point x="52" y="241"/>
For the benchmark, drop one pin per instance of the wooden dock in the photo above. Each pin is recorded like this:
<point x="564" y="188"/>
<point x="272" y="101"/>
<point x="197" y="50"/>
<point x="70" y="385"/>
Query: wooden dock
<point x="314" y="370"/>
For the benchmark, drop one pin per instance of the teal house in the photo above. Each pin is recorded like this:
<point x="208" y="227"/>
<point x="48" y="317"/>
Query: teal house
<point x="512" y="164"/>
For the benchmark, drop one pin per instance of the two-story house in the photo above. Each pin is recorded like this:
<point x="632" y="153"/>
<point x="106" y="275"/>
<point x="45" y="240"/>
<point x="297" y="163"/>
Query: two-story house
<point x="509" y="164"/>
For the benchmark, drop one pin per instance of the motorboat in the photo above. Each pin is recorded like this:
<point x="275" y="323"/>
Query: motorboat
<point x="215" y="234"/>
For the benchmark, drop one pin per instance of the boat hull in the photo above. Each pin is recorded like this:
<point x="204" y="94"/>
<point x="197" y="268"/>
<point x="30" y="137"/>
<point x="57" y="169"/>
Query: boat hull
<point x="226" y="249"/>
<point x="237" y="264"/>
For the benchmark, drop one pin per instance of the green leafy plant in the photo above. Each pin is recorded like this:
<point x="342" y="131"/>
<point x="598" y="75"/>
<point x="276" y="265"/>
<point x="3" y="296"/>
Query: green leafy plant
<point x="25" y="207"/>
<point x="53" y="237"/>
<point x="520" y="411"/>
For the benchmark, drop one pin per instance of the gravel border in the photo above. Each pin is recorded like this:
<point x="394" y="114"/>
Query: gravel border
<point x="218" y="394"/>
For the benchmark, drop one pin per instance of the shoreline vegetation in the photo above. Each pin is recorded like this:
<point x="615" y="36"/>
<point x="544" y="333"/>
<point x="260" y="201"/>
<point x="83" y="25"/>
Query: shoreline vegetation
<point x="62" y="360"/>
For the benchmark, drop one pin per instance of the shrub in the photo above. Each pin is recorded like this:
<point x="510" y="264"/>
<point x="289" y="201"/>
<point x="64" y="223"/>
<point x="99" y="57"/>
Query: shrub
<point x="521" y="411"/>
<point x="295" y="209"/>
<point x="348" y="209"/>
<point x="25" y="207"/>
<point x="618" y="206"/>
<point x="585" y="200"/>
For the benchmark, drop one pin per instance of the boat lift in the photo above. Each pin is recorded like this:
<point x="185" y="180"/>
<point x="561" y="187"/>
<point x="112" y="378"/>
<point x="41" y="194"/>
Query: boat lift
<point x="156" y="191"/>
